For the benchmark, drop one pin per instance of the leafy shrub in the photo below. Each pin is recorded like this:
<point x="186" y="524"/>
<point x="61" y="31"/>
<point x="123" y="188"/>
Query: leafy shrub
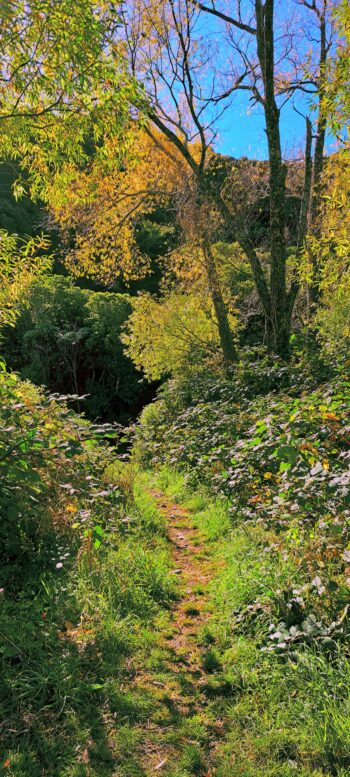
<point x="21" y="260"/>
<point x="332" y="321"/>
<point x="280" y="459"/>
<point x="48" y="467"/>
<point x="166" y="337"/>
<point x="207" y="400"/>
<point x="68" y="339"/>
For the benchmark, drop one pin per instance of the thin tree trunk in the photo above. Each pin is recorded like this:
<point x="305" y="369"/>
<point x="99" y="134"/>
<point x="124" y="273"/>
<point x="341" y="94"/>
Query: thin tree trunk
<point x="318" y="162"/>
<point x="226" y="338"/>
<point x="306" y="195"/>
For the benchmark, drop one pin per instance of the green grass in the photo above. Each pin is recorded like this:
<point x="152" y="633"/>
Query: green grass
<point x="70" y="706"/>
<point x="63" y="689"/>
<point x="288" y="714"/>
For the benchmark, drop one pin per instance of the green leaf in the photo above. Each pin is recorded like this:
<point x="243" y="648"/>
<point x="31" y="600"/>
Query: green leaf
<point x="284" y="466"/>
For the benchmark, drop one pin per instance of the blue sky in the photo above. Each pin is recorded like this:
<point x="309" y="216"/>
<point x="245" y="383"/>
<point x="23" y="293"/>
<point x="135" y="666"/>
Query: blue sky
<point x="241" y="131"/>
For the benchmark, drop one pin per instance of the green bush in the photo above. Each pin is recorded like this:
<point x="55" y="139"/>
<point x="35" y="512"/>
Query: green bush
<point x="280" y="460"/>
<point x="48" y="466"/>
<point x="68" y="339"/>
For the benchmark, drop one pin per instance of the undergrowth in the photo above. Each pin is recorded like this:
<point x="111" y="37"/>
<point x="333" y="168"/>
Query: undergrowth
<point x="85" y="577"/>
<point x="87" y="588"/>
<point x="286" y="710"/>
<point x="279" y="462"/>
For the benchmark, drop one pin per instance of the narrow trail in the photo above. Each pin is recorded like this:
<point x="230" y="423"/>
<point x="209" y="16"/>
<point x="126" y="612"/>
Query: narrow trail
<point x="182" y="691"/>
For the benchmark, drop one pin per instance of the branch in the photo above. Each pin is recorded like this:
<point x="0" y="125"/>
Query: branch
<point x="225" y="18"/>
<point x="173" y="138"/>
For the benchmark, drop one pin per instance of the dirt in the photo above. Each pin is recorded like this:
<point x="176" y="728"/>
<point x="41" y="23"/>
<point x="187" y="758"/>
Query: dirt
<point x="182" y="694"/>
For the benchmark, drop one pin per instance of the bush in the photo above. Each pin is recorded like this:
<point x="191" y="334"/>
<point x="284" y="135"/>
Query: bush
<point x="68" y="339"/>
<point x="48" y="467"/>
<point x="280" y="460"/>
<point x="332" y="321"/>
<point x="206" y="402"/>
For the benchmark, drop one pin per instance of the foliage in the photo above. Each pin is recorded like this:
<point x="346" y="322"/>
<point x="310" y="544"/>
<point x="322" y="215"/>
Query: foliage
<point x="332" y="246"/>
<point x="168" y="336"/>
<point x="96" y="194"/>
<point x="105" y="203"/>
<point x="68" y="339"/>
<point x="279" y="459"/>
<point x="42" y="459"/>
<point x="269" y="453"/>
<point x="21" y="217"/>
<point x="20" y="261"/>
<point x="337" y="94"/>
<point x="62" y="83"/>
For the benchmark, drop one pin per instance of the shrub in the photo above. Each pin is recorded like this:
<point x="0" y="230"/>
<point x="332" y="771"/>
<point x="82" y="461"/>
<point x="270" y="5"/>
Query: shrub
<point x="83" y="568"/>
<point x="281" y="461"/>
<point x="68" y="339"/>
<point x="48" y="467"/>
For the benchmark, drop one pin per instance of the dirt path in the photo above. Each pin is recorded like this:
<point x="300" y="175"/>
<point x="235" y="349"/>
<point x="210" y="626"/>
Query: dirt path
<point x="186" y="668"/>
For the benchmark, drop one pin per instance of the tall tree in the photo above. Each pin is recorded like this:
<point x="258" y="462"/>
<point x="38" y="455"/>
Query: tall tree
<point x="105" y="204"/>
<point x="268" y="54"/>
<point x="282" y="62"/>
<point x="167" y="51"/>
<point x="186" y="80"/>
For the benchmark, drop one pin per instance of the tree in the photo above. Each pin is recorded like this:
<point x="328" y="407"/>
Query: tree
<point x="195" y="126"/>
<point x="259" y="40"/>
<point x="68" y="339"/>
<point x="104" y="204"/>
<point x="186" y="91"/>
<point x="61" y="84"/>
<point x="169" y="50"/>
<point x="169" y="336"/>
<point x="21" y="260"/>
<point x="330" y="243"/>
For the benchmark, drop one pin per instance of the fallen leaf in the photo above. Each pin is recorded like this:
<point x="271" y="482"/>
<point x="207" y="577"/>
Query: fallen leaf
<point x="161" y="763"/>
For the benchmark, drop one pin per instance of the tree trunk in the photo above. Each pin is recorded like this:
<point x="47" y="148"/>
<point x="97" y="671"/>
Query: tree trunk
<point x="279" y="325"/>
<point x="316" y="196"/>
<point x="226" y="338"/>
<point x="306" y="195"/>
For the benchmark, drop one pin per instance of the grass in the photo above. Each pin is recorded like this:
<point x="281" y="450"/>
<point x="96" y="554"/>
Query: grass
<point x="89" y="680"/>
<point x="67" y="642"/>
<point x="285" y="714"/>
